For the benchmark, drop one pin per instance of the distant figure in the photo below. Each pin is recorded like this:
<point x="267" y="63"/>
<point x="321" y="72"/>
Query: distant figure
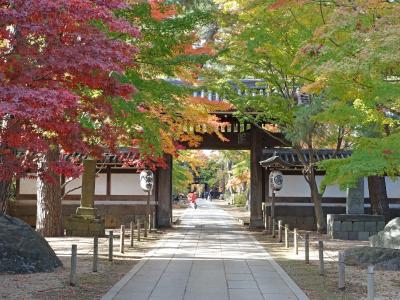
<point x="192" y="199"/>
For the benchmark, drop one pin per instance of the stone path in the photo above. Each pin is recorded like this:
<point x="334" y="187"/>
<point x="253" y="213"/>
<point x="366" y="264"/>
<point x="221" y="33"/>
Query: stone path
<point x="208" y="257"/>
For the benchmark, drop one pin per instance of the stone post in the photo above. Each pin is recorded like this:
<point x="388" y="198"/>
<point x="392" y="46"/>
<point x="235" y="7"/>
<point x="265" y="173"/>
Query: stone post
<point x="86" y="222"/>
<point x="88" y="184"/>
<point x="355" y="199"/>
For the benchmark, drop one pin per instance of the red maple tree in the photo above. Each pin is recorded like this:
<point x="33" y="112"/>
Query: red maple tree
<point x="56" y="58"/>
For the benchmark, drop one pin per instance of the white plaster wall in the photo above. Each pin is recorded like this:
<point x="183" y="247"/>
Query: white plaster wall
<point x="74" y="184"/>
<point x="101" y="184"/>
<point x="27" y="186"/>
<point x="393" y="188"/>
<point x="296" y="186"/>
<point x="126" y="184"/>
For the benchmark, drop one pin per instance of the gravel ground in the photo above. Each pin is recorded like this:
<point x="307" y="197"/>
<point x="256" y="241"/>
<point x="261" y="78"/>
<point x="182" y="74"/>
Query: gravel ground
<point x="55" y="285"/>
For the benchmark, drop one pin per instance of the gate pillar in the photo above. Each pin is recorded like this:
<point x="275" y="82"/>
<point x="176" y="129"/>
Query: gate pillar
<point x="164" y="194"/>
<point x="256" y="178"/>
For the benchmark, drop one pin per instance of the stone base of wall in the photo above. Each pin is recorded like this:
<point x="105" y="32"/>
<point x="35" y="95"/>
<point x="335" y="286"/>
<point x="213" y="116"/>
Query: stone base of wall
<point x="353" y="227"/>
<point x="114" y="215"/>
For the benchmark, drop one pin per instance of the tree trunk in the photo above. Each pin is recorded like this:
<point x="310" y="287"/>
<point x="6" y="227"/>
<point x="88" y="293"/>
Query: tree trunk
<point x="316" y="198"/>
<point x="5" y="186"/>
<point x="49" y="208"/>
<point x="378" y="196"/>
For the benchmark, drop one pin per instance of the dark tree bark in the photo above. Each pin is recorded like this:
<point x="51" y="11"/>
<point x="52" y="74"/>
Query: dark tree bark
<point x="378" y="196"/>
<point x="5" y="186"/>
<point x="316" y="198"/>
<point x="49" y="208"/>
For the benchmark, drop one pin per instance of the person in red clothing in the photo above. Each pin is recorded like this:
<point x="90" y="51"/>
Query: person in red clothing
<point x="192" y="199"/>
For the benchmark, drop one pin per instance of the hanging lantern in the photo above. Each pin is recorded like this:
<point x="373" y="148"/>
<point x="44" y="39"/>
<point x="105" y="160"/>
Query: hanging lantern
<point x="146" y="180"/>
<point x="276" y="180"/>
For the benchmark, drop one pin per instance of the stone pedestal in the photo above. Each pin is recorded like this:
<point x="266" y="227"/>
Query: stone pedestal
<point x="354" y="227"/>
<point x="79" y="226"/>
<point x="86" y="222"/>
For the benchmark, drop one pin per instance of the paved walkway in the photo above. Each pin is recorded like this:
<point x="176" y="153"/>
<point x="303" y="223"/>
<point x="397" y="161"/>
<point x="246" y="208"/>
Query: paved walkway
<point x="208" y="257"/>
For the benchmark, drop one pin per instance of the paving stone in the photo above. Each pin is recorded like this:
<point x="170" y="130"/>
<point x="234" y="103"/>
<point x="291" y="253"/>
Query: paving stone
<point x="245" y="294"/>
<point x="242" y="284"/>
<point x="209" y="257"/>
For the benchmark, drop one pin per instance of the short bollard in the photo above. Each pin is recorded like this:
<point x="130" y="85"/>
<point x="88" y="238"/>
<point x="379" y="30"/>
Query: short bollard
<point x="286" y="235"/>
<point x="110" y="245"/>
<point x="321" y="257"/>
<point x="341" y="271"/>
<point x="371" y="288"/>
<point x="154" y="220"/>
<point x="296" y="245"/>
<point x="138" y="229"/>
<point x="280" y="231"/>
<point x="150" y="221"/>
<point x="131" y="236"/>
<point x="307" y="248"/>
<point x="122" y="239"/>
<point x="95" y="253"/>
<point x="273" y="228"/>
<point x="72" y="274"/>
<point x="145" y="225"/>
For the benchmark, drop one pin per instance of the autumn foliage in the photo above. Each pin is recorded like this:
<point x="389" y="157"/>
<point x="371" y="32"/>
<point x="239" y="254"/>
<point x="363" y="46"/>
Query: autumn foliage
<point x="55" y="81"/>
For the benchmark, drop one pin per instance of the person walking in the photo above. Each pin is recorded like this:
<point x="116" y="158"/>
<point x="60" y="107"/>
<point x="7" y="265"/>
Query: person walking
<point x="192" y="199"/>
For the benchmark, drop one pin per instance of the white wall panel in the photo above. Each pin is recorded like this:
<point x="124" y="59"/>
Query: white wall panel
<point x="393" y="188"/>
<point x="27" y="186"/>
<point x="101" y="184"/>
<point x="296" y="186"/>
<point x="125" y="184"/>
<point x="74" y="184"/>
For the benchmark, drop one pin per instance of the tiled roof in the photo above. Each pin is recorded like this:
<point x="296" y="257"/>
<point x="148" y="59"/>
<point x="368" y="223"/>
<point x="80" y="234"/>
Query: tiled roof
<point x="122" y="156"/>
<point x="287" y="158"/>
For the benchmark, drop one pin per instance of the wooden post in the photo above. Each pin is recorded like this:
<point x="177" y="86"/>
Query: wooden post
<point x="110" y="245"/>
<point x="145" y="221"/>
<point x="273" y="207"/>
<point x="95" y="253"/>
<point x="341" y="271"/>
<point x="307" y="248"/>
<point x="72" y="274"/>
<point x="296" y="245"/>
<point x="147" y="218"/>
<point x="371" y="288"/>
<point x="122" y="239"/>
<point x="280" y="231"/>
<point x="138" y="229"/>
<point x="132" y="232"/>
<point x="273" y="227"/>
<point x="154" y="220"/>
<point x="150" y="221"/>
<point x="286" y="235"/>
<point x="265" y="217"/>
<point x="321" y="257"/>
